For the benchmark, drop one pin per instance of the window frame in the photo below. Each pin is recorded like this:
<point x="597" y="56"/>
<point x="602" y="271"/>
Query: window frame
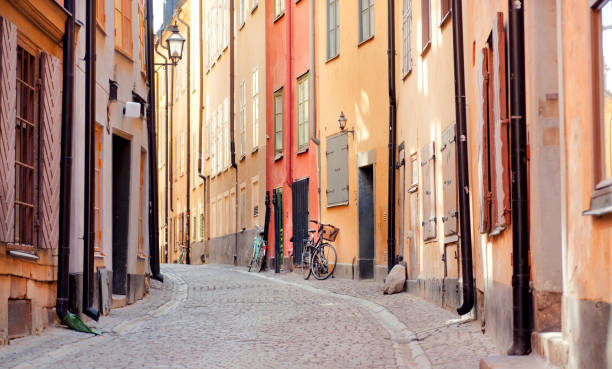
<point x="126" y="23"/>
<point x="333" y="29"/>
<point x="407" y="38"/>
<point x="425" y="43"/>
<point x="367" y="12"/>
<point x="278" y="131"/>
<point x="141" y="36"/>
<point x="303" y="104"/>
<point x="279" y="9"/>
<point x="242" y="119"/>
<point x="255" y="109"/>
<point x="446" y="9"/>
<point x="101" y="14"/>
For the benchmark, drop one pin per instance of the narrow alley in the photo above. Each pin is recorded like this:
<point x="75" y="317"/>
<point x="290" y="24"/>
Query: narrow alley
<point x="224" y="317"/>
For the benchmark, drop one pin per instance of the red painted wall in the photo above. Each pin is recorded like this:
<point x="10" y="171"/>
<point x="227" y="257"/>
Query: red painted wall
<point x="293" y="166"/>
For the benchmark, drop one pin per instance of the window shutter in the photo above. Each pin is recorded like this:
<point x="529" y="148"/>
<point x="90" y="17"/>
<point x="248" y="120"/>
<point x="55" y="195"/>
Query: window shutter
<point x="8" y="91"/>
<point x="500" y="212"/>
<point x="449" y="180"/>
<point x="337" y="170"/>
<point x="429" y="192"/>
<point x="483" y="150"/>
<point x="50" y="133"/>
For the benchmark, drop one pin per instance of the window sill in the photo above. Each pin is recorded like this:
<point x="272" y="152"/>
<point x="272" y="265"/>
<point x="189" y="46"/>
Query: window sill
<point x="413" y="188"/>
<point x="278" y="157"/>
<point x="241" y="26"/>
<point x="142" y="257"/>
<point x="332" y="58"/>
<point x="124" y="53"/>
<point x="101" y="28"/>
<point x="426" y="48"/>
<point x="254" y="8"/>
<point x="278" y="17"/>
<point x="99" y="255"/>
<point x="446" y="18"/>
<point x="242" y="157"/>
<point x="26" y="255"/>
<point x="601" y="202"/>
<point x="254" y="150"/>
<point x="302" y="150"/>
<point x="361" y="43"/>
<point x="406" y="74"/>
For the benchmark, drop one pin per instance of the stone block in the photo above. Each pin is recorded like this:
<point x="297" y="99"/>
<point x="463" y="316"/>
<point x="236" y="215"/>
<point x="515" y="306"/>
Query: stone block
<point x="19" y="318"/>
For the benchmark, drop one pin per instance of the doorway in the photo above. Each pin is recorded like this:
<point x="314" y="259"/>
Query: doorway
<point x="121" y="209"/>
<point x="366" y="222"/>
<point x="300" y="217"/>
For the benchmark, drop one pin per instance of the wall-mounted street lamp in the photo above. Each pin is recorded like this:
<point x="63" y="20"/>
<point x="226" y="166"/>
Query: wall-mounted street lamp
<point x="342" y="123"/>
<point x="175" y="43"/>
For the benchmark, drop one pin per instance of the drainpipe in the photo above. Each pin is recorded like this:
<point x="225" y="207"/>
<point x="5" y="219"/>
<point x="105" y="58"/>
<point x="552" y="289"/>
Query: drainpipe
<point x="521" y="296"/>
<point x="167" y="140"/>
<point x="188" y="164"/>
<point x="463" y="185"/>
<point x="392" y="135"/>
<point x="90" y="120"/>
<point x="63" y="259"/>
<point x="153" y="195"/>
<point x="313" y="108"/>
<point x="289" y="95"/>
<point x="232" y="122"/>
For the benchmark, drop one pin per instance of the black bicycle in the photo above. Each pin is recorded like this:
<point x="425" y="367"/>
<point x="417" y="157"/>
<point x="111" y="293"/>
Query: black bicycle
<point x="319" y="258"/>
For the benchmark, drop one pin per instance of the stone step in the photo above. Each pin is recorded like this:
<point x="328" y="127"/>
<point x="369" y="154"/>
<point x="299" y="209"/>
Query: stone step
<point x="551" y="346"/>
<point x="118" y="301"/>
<point x="515" y="362"/>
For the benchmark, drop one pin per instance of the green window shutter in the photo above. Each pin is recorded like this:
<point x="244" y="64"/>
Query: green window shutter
<point x="337" y="170"/>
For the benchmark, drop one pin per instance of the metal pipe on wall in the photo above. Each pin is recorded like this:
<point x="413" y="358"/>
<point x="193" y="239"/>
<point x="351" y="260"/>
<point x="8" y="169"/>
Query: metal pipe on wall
<point x="312" y="97"/>
<point x="153" y="194"/>
<point x="521" y="296"/>
<point x="392" y="134"/>
<point x="63" y="259"/>
<point x="463" y="185"/>
<point x="89" y="185"/>
<point x="188" y="164"/>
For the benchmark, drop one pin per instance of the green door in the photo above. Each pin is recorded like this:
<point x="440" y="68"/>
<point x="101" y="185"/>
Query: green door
<point x="280" y="229"/>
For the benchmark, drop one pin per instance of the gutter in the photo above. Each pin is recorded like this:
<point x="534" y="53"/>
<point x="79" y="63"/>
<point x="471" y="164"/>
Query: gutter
<point x="392" y="134"/>
<point x="188" y="164"/>
<point x="167" y="140"/>
<point x="63" y="259"/>
<point x="153" y="194"/>
<point x="463" y="176"/>
<point x="313" y="108"/>
<point x="521" y="297"/>
<point x="90" y="119"/>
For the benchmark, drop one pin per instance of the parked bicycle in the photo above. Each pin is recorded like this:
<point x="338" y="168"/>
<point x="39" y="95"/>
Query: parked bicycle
<point x="182" y="254"/>
<point x="259" y="251"/>
<point x="319" y="258"/>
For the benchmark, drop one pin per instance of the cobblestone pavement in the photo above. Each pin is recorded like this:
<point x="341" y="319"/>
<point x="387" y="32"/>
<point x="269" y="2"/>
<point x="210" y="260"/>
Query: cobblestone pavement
<point x="222" y="317"/>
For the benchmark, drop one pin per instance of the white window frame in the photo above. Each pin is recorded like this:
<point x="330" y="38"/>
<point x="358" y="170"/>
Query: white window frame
<point x="242" y="119"/>
<point x="366" y="15"/>
<point x="255" y="108"/>
<point x="407" y="38"/>
<point x="333" y="29"/>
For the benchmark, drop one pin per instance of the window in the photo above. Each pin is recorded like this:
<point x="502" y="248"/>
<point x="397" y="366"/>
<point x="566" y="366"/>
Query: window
<point x="26" y="154"/>
<point x="407" y="34"/>
<point x="143" y="157"/>
<point x="100" y="13"/>
<point x="445" y="10"/>
<point x="243" y="207"/>
<point x="182" y="163"/>
<point x="603" y="70"/>
<point x="220" y="142"/>
<point x="449" y="180"/>
<point x="213" y="139"/>
<point x="225" y="16"/>
<point x="366" y="20"/>
<point x="123" y="26"/>
<point x="219" y="21"/>
<point x="241" y="12"/>
<point x="302" y="113"/>
<point x="98" y="190"/>
<point x="333" y="29"/>
<point x="279" y="8"/>
<point x="242" y="120"/>
<point x="428" y="155"/>
<point x="226" y="148"/>
<point x="255" y="196"/>
<point x="255" y="109"/>
<point x="493" y="132"/>
<point x="278" y="124"/>
<point x="141" y="36"/>
<point x="425" y="24"/>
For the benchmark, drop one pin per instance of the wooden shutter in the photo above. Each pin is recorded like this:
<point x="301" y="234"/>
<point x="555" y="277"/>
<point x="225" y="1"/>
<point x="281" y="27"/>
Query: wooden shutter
<point x="50" y="136"/>
<point x="337" y="170"/>
<point x="429" y="191"/>
<point x="8" y="102"/>
<point x="500" y="210"/>
<point x="483" y="150"/>
<point x="449" y="180"/>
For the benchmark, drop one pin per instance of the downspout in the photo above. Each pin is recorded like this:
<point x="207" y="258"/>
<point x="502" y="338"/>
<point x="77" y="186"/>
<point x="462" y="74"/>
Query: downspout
<point x="90" y="120"/>
<point x="153" y="194"/>
<point x="521" y="343"/>
<point x="463" y="179"/>
<point x="188" y="225"/>
<point x="232" y="122"/>
<point x="392" y="134"/>
<point x="313" y="108"/>
<point x="63" y="259"/>
<point x="167" y="141"/>
<point x="289" y="95"/>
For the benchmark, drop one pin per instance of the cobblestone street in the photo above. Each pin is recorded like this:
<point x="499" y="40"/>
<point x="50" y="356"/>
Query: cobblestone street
<point x="222" y="317"/>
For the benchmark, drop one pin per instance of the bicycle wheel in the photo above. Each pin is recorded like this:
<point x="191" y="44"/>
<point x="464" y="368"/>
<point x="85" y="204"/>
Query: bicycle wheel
<point x="306" y="271"/>
<point x="324" y="261"/>
<point x="260" y="255"/>
<point x="254" y="254"/>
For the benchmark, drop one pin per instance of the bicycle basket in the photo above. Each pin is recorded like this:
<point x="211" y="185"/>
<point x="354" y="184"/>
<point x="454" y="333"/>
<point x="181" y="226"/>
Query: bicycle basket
<point x="329" y="232"/>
